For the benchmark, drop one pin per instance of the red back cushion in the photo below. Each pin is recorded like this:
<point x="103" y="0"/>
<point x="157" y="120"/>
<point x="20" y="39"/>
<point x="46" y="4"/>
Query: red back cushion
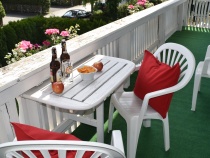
<point x="152" y="76"/>
<point x="26" y="132"/>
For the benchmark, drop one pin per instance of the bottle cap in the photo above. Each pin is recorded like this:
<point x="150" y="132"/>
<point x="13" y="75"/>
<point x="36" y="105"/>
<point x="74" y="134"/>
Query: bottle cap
<point x="54" y="50"/>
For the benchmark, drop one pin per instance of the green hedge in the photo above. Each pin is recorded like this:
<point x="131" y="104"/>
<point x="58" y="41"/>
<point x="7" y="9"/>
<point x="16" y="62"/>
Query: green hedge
<point x="33" y="30"/>
<point x="3" y="47"/>
<point x="66" y="2"/>
<point x="34" y="2"/>
<point x="28" y="6"/>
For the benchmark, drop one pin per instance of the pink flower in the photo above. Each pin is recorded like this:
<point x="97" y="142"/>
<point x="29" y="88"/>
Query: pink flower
<point x="141" y="2"/>
<point x="51" y="31"/>
<point x="131" y="7"/>
<point x="46" y="43"/>
<point x="37" y="46"/>
<point x="64" y="33"/>
<point x="24" y="45"/>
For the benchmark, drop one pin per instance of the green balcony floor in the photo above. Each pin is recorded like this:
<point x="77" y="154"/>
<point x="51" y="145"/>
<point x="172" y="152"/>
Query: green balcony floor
<point x="189" y="131"/>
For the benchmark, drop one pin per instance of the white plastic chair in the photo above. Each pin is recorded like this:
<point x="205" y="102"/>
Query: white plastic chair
<point x="14" y="149"/>
<point x="135" y="110"/>
<point x="202" y="70"/>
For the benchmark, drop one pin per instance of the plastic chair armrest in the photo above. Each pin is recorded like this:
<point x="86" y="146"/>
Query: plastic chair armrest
<point x="137" y="67"/>
<point x="116" y="140"/>
<point x="160" y="92"/>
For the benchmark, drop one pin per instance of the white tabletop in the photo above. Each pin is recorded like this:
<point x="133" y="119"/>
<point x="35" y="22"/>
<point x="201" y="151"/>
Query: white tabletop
<point x="84" y="95"/>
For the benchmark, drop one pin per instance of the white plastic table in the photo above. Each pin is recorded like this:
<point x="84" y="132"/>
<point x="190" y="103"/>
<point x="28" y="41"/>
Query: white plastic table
<point x="84" y="95"/>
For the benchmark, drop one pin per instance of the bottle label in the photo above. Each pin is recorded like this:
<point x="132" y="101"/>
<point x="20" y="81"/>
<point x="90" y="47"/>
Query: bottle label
<point x="59" y="76"/>
<point x="66" y="69"/>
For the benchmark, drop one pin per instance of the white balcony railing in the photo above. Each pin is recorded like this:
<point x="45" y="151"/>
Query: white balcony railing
<point x="125" y="38"/>
<point x="198" y="13"/>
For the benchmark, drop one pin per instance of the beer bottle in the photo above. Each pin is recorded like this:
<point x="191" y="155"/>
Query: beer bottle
<point x="65" y="60"/>
<point x="54" y="66"/>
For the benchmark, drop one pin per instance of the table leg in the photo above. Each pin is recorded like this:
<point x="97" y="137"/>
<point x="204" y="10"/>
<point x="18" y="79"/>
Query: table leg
<point x="100" y="122"/>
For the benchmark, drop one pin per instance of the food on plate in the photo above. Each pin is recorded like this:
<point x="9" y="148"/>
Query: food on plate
<point x="98" y="65"/>
<point x="58" y="87"/>
<point x="86" y="69"/>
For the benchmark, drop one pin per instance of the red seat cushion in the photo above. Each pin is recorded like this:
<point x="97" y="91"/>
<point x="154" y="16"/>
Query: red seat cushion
<point x="26" y="132"/>
<point x="152" y="76"/>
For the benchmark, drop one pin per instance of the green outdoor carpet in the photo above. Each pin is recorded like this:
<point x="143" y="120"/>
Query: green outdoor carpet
<point x="189" y="131"/>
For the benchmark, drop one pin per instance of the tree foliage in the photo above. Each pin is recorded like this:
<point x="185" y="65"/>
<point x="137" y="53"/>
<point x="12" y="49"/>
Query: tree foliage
<point x="2" y="11"/>
<point x="112" y="8"/>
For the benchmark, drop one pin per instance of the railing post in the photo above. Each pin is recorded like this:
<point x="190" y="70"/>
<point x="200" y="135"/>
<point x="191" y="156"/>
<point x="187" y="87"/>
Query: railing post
<point x="8" y="113"/>
<point x="161" y="29"/>
<point x="125" y="50"/>
<point x="125" y="46"/>
<point x="186" y="13"/>
<point x="181" y="16"/>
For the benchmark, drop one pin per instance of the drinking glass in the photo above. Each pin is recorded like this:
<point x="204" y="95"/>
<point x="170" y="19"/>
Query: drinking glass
<point x="68" y="71"/>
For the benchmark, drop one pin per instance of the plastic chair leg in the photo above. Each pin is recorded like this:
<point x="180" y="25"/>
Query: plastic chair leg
<point x="116" y="140"/>
<point x="166" y="133"/>
<point x="111" y="110"/>
<point x="195" y="91"/>
<point x="132" y="138"/>
<point x="199" y="85"/>
<point x="147" y="123"/>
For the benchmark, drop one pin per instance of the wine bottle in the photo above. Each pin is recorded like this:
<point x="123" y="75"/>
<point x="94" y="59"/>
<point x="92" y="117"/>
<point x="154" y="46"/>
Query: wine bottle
<point x="65" y="60"/>
<point x="54" y="66"/>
